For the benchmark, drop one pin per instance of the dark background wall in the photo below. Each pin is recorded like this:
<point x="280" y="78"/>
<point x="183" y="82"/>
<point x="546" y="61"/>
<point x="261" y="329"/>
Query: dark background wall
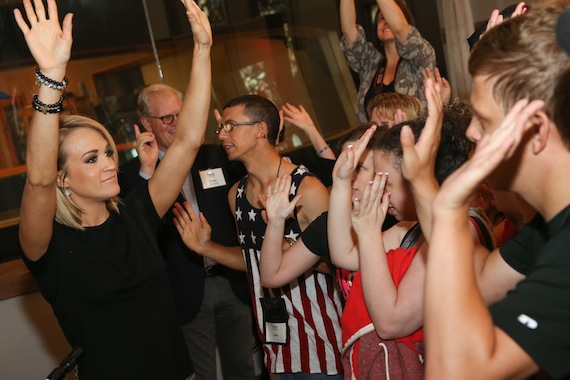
<point x="107" y="25"/>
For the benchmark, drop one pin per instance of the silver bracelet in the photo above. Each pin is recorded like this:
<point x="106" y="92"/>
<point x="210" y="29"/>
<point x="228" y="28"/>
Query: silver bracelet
<point x="50" y="83"/>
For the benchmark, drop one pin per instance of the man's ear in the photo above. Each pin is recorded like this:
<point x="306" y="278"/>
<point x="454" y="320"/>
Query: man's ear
<point x="145" y="124"/>
<point x="541" y="125"/>
<point x="261" y="130"/>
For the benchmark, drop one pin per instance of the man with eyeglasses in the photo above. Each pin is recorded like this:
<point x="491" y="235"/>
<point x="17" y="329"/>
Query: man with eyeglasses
<point x="212" y="300"/>
<point x="299" y="322"/>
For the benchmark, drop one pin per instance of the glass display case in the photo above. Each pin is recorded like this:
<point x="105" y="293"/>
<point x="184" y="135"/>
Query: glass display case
<point x="288" y="64"/>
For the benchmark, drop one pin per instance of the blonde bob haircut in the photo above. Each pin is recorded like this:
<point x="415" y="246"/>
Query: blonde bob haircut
<point x="387" y="103"/>
<point x="67" y="212"/>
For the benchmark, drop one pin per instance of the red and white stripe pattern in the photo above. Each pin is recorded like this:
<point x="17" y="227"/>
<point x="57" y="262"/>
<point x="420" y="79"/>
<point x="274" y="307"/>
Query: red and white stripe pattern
<point x="314" y="308"/>
<point x="313" y="302"/>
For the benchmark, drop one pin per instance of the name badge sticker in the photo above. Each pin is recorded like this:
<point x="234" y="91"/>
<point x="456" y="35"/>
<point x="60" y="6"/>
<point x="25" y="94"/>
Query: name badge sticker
<point x="212" y="178"/>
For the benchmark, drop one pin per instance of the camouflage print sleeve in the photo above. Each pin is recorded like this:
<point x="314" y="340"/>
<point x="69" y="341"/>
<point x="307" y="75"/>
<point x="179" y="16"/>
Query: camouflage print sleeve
<point x="362" y="56"/>
<point x="417" y="50"/>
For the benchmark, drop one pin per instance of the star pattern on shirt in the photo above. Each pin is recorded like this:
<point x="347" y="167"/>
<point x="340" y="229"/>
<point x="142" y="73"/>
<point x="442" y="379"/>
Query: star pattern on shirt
<point x="291" y="236"/>
<point x="252" y="214"/>
<point x="240" y="192"/>
<point x="293" y="189"/>
<point x="301" y="170"/>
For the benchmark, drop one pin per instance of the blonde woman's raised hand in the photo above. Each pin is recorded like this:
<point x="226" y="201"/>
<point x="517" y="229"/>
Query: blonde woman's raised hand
<point x="201" y="28"/>
<point x="48" y="41"/>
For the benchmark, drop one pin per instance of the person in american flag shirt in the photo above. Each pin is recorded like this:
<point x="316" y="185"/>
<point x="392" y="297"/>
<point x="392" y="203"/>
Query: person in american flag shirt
<point x="299" y="322"/>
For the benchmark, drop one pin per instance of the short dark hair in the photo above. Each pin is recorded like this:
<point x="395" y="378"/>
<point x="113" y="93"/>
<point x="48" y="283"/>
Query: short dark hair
<point x="454" y="147"/>
<point x="353" y="135"/>
<point x="259" y="108"/>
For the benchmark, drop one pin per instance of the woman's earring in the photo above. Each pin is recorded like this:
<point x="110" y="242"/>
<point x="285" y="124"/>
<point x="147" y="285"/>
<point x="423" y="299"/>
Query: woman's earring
<point x="67" y="191"/>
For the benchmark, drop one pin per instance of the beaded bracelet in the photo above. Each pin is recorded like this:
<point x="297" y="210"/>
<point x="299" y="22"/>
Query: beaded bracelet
<point x="323" y="150"/>
<point x="47" y="108"/>
<point x="50" y="83"/>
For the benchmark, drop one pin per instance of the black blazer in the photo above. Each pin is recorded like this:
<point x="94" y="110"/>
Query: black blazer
<point x="185" y="267"/>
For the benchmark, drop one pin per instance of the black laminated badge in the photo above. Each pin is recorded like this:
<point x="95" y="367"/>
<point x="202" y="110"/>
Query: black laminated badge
<point x="275" y="318"/>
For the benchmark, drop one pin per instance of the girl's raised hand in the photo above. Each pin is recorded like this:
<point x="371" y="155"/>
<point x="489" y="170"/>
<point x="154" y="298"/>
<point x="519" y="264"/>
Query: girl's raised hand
<point x="369" y="213"/>
<point x="419" y="157"/>
<point x="347" y="162"/>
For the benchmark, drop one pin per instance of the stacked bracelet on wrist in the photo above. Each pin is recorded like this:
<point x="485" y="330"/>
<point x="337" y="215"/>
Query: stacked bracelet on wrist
<point x="57" y="107"/>
<point x="50" y="83"/>
<point x="323" y="150"/>
<point x="47" y="108"/>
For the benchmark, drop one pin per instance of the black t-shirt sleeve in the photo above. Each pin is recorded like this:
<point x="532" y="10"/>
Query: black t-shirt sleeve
<point x="536" y="313"/>
<point x="323" y="168"/>
<point x="520" y="251"/>
<point x="315" y="236"/>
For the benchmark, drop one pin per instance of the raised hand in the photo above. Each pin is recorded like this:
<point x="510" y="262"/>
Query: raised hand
<point x="48" y="41"/>
<point x="300" y="118"/>
<point x="297" y="116"/>
<point x="491" y="151"/>
<point x="217" y="116"/>
<point x="147" y="150"/>
<point x="497" y="18"/>
<point x="201" y="29"/>
<point x="418" y="160"/>
<point x="195" y="232"/>
<point x="277" y="204"/>
<point x="281" y="125"/>
<point x="441" y="82"/>
<point x="368" y="213"/>
<point x="399" y="117"/>
<point x="347" y="162"/>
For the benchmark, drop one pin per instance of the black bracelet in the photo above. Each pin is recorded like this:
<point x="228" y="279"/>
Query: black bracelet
<point x="50" y="83"/>
<point x="47" y="108"/>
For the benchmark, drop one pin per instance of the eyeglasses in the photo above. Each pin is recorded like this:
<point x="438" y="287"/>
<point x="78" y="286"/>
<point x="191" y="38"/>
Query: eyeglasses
<point x="166" y="119"/>
<point x="230" y="125"/>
